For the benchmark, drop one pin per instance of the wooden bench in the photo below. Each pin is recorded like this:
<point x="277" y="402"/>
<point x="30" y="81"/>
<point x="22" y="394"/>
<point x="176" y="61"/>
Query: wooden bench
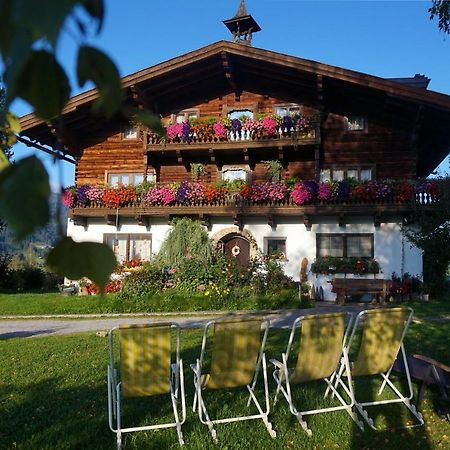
<point x="344" y="287"/>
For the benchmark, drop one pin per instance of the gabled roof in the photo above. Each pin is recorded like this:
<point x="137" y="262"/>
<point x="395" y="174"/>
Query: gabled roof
<point x="224" y="67"/>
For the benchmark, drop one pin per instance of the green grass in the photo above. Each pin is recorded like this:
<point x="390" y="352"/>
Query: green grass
<point x="53" y="396"/>
<point x="56" y="303"/>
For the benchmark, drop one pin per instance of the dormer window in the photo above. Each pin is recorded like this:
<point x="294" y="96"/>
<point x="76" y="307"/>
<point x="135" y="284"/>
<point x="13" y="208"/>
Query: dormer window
<point x="288" y="109"/>
<point x="130" y="132"/>
<point x="186" y="115"/>
<point x="356" y="123"/>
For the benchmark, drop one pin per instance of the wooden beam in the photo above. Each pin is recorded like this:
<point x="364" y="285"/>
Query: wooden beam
<point x="377" y="220"/>
<point x="317" y="149"/>
<point x="237" y="221"/>
<point x="206" y="221"/>
<point x="143" y="221"/>
<point x="229" y="75"/>
<point x="307" y="222"/>
<point x="54" y="152"/>
<point x="110" y="219"/>
<point x="80" y="221"/>
<point x="271" y="221"/>
<point x="341" y="220"/>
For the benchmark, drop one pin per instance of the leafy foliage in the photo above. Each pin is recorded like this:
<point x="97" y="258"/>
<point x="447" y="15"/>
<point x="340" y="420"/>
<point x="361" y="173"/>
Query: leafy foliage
<point x="23" y="208"/>
<point x="431" y="232"/>
<point x="187" y="239"/>
<point x="331" y="264"/>
<point x="440" y="9"/>
<point x="87" y="259"/>
<point x="32" y="72"/>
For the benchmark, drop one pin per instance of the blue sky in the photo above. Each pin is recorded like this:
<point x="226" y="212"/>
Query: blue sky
<point x="383" y="38"/>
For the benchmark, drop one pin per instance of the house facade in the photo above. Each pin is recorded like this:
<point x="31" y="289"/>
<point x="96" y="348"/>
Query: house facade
<point x="275" y="154"/>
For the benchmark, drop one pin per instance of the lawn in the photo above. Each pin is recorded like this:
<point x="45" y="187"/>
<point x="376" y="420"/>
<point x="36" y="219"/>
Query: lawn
<point x="53" y="396"/>
<point x="56" y="303"/>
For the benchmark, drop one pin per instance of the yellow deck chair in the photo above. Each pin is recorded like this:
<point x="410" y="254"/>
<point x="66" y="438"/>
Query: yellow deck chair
<point x="237" y="356"/>
<point x="381" y="333"/>
<point x="322" y="348"/>
<point x="145" y="368"/>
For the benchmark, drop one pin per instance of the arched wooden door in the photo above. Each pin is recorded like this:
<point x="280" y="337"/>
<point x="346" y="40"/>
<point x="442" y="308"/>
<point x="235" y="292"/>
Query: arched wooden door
<point x="238" y="247"/>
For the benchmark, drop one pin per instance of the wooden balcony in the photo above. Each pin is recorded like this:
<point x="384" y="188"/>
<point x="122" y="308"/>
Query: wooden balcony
<point x="240" y="210"/>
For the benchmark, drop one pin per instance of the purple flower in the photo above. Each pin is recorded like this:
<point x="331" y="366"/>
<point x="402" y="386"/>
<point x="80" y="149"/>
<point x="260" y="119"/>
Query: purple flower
<point x="186" y="132"/>
<point x="68" y="198"/>
<point x="287" y="123"/>
<point x="182" y="190"/>
<point x="82" y="196"/>
<point x="343" y="190"/>
<point x="236" y="125"/>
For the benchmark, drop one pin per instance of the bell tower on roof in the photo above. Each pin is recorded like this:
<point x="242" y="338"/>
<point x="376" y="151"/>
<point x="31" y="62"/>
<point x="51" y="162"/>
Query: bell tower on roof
<point x="242" y="25"/>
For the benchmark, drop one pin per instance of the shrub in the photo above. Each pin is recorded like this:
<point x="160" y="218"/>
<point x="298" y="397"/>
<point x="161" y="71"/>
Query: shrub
<point x="144" y="283"/>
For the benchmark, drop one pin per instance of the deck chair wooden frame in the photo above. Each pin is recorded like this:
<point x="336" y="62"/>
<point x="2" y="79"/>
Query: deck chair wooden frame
<point x="146" y="368"/>
<point x="322" y="348"/>
<point x="382" y="335"/>
<point x="228" y="352"/>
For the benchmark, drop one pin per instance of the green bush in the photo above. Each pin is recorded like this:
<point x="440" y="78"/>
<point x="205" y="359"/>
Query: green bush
<point x="145" y="282"/>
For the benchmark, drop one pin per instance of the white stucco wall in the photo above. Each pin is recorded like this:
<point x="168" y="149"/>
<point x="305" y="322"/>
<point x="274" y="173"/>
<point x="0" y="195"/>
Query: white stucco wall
<point x="393" y="253"/>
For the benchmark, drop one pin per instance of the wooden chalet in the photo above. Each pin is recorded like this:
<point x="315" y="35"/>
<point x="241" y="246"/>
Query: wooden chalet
<point x="358" y="127"/>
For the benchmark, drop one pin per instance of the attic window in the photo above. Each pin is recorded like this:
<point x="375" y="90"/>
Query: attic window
<point x="356" y="123"/>
<point x="288" y="109"/>
<point x="186" y="115"/>
<point x="130" y="132"/>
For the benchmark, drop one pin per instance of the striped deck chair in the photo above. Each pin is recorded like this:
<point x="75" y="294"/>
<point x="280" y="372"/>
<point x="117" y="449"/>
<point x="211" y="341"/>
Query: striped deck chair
<point x="237" y="356"/>
<point x="145" y="368"/>
<point x="381" y="333"/>
<point x="322" y="347"/>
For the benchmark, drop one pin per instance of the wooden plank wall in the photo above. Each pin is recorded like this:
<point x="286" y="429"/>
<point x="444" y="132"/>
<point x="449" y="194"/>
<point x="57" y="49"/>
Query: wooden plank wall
<point x="386" y="146"/>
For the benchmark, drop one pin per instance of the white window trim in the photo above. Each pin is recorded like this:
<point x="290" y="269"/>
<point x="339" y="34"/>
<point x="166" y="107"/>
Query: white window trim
<point x="244" y="167"/>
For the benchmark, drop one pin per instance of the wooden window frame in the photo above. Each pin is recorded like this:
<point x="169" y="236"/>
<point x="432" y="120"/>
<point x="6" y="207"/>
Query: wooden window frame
<point x="275" y="238"/>
<point x="344" y="237"/>
<point x="287" y="105"/>
<point x="141" y="236"/>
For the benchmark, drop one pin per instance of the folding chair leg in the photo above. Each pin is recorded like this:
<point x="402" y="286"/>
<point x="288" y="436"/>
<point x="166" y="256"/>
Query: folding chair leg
<point x="304" y="424"/>
<point x="194" y="404"/>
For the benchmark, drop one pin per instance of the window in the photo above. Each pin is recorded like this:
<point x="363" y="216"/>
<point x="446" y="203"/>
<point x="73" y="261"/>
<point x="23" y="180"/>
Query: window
<point x="128" y="179"/>
<point x="233" y="173"/>
<point x="356" y="123"/>
<point x="186" y="115"/>
<point x="129" y="246"/>
<point x="238" y="113"/>
<point x="130" y="132"/>
<point x="339" y="174"/>
<point x="345" y="245"/>
<point x="275" y="246"/>
<point x="288" y="109"/>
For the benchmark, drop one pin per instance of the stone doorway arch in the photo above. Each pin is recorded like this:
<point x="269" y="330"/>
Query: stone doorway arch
<point x="238" y="244"/>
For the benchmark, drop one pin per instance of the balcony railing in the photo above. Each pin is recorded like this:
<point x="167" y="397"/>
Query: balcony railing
<point x="265" y="195"/>
<point x="194" y="137"/>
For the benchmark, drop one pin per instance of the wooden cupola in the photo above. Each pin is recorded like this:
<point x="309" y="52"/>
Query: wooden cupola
<point x="242" y="25"/>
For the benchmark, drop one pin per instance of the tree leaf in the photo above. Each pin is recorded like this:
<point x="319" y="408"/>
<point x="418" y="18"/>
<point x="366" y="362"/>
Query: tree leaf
<point x="13" y="122"/>
<point x="4" y="161"/>
<point x="76" y="260"/>
<point x="24" y="192"/>
<point x="96" y="9"/>
<point x="96" y="66"/>
<point x="44" y="84"/>
<point x="147" y="118"/>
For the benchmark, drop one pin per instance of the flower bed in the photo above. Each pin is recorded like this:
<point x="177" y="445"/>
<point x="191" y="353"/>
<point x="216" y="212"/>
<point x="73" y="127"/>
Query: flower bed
<point x="237" y="193"/>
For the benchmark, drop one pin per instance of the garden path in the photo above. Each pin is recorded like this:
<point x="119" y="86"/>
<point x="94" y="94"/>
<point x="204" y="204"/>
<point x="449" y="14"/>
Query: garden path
<point x="13" y="326"/>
